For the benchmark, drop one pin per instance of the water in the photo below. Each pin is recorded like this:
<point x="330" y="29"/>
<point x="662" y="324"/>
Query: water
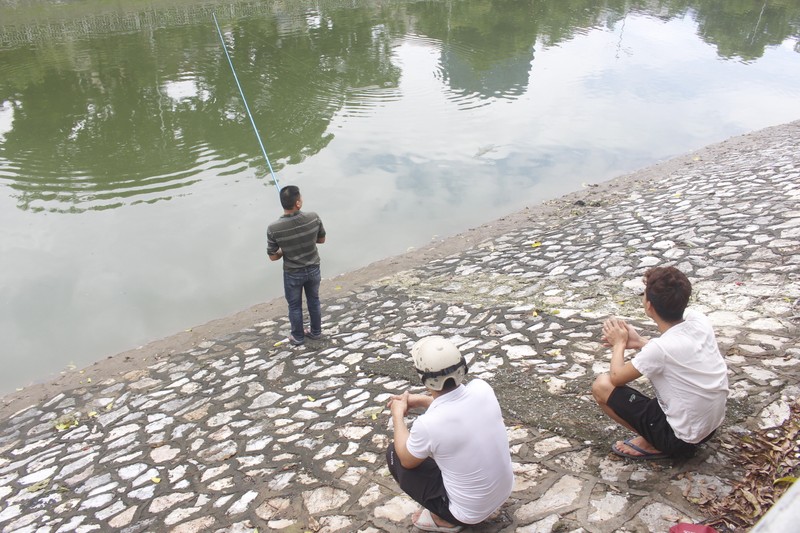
<point x="134" y="198"/>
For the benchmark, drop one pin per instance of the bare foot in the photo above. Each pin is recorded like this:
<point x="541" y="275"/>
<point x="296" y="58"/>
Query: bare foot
<point x="639" y="442"/>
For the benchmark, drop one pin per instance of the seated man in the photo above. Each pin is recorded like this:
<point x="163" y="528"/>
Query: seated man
<point x="455" y="461"/>
<point x="684" y="365"/>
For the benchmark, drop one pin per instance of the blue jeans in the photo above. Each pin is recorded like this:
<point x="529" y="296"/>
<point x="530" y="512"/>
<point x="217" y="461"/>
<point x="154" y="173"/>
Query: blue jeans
<point x="294" y="283"/>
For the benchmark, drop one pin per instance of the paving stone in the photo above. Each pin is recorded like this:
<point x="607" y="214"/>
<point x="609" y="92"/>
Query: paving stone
<point x="244" y="432"/>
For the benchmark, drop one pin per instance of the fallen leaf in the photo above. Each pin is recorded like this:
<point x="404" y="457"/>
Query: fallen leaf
<point x="155" y="479"/>
<point x="41" y="485"/>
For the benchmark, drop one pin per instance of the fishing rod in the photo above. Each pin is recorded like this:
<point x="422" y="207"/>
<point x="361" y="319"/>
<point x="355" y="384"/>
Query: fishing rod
<point x="246" y="107"/>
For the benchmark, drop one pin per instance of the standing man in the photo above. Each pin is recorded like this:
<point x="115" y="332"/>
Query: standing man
<point x="684" y="365"/>
<point x="294" y="237"/>
<point x="455" y="461"/>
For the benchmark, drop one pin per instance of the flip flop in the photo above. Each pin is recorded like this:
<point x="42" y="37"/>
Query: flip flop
<point x="425" y="522"/>
<point x="645" y="455"/>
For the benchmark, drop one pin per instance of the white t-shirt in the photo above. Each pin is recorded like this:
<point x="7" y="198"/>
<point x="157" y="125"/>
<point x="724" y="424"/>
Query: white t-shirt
<point x="463" y="431"/>
<point x="689" y="376"/>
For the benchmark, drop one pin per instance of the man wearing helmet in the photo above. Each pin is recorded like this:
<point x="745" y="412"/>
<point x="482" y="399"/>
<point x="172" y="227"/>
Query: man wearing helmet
<point x="455" y="460"/>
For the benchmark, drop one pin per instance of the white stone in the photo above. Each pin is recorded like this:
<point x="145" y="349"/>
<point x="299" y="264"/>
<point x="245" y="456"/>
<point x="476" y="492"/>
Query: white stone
<point x="36" y="477"/>
<point x="545" y="525"/>
<point x="212" y="473"/>
<point x="562" y="494"/>
<point x="265" y="400"/>
<point x="549" y="445"/>
<point x="98" y="501"/>
<point x="527" y="475"/>
<point x="370" y="495"/>
<point x="280" y="524"/>
<point x="164" y="454"/>
<point x="242" y="503"/>
<point x="396" y="509"/>
<point x="324" y="499"/>
<point x="161" y="503"/>
<point x="354" y="432"/>
<point x="660" y="517"/>
<point x="608" y="507"/>
<point x="271" y="509"/>
<point x="198" y="525"/>
<point x="774" y="415"/>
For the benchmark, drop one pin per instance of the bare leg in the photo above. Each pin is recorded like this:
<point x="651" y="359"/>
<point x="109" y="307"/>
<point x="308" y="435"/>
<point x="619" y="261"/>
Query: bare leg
<point x="601" y="390"/>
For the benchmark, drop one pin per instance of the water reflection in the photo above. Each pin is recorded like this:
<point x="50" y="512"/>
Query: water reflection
<point x="400" y="120"/>
<point x="113" y="119"/>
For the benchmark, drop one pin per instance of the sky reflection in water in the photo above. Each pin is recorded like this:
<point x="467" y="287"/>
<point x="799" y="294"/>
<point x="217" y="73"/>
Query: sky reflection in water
<point x="114" y="236"/>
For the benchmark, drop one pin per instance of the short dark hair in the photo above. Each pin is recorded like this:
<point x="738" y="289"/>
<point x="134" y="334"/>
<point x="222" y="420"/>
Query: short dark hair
<point x="668" y="291"/>
<point x="289" y="196"/>
<point x="449" y="384"/>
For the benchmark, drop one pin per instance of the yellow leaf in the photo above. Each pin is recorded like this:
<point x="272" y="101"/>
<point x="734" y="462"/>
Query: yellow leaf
<point x="534" y="314"/>
<point x="536" y="244"/>
<point x="338" y="288"/>
<point x="556" y="311"/>
<point x="155" y="479"/>
<point x="109" y="406"/>
<point x="36" y="487"/>
<point x="311" y="399"/>
<point x="92" y="414"/>
<point x="278" y="343"/>
<point x="374" y="416"/>
<point x="89" y="380"/>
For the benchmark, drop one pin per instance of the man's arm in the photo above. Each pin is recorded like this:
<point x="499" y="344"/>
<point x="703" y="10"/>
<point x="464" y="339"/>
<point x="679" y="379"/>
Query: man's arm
<point x="617" y="333"/>
<point x="320" y="240"/>
<point x="399" y="407"/>
<point x="277" y="255"/>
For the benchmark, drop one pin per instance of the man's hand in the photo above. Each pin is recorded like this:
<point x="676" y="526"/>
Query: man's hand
<point x="621" y="336"/>
<point x="615" y="332"/>
<point x="398" y="405"/>
<point x="634" y="340"/>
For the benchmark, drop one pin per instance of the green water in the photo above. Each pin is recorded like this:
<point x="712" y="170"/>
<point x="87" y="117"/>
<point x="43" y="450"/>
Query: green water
<point x="134" y="196"/>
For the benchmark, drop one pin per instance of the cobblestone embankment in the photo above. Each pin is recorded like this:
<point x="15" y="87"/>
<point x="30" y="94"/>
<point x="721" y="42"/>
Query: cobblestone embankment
<point x="242" y="431"/>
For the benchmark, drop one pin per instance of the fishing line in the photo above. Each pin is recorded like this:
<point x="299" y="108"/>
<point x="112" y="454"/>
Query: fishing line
<point x="246" y="107"/>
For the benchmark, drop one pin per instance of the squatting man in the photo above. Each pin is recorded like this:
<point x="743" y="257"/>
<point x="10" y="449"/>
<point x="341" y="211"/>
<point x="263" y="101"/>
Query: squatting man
<point x="455" y="460"/>
<point x="684" y="365"/>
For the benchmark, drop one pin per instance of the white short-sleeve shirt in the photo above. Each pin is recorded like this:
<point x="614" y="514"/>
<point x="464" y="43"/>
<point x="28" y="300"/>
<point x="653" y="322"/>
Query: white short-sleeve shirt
<point x="689" y="375"/>
<point x="463" y="431"/>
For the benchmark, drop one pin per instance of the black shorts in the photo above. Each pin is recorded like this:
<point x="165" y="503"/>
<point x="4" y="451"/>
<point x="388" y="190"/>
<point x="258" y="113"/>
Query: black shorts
<point x="648" y="419"/>
<point x="424" y="484"/>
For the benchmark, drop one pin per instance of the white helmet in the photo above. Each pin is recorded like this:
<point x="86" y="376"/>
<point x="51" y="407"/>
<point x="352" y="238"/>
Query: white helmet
<point x="436" y="360"/>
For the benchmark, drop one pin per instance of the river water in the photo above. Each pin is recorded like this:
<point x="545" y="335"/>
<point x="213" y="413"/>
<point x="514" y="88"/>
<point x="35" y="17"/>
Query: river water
<point x="134" y="196"/>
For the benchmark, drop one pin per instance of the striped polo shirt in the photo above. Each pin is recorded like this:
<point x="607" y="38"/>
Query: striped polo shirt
<point x="296" y="235"/>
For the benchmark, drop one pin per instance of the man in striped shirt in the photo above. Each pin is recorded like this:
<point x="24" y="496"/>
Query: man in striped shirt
<point x="294" y="237"/>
